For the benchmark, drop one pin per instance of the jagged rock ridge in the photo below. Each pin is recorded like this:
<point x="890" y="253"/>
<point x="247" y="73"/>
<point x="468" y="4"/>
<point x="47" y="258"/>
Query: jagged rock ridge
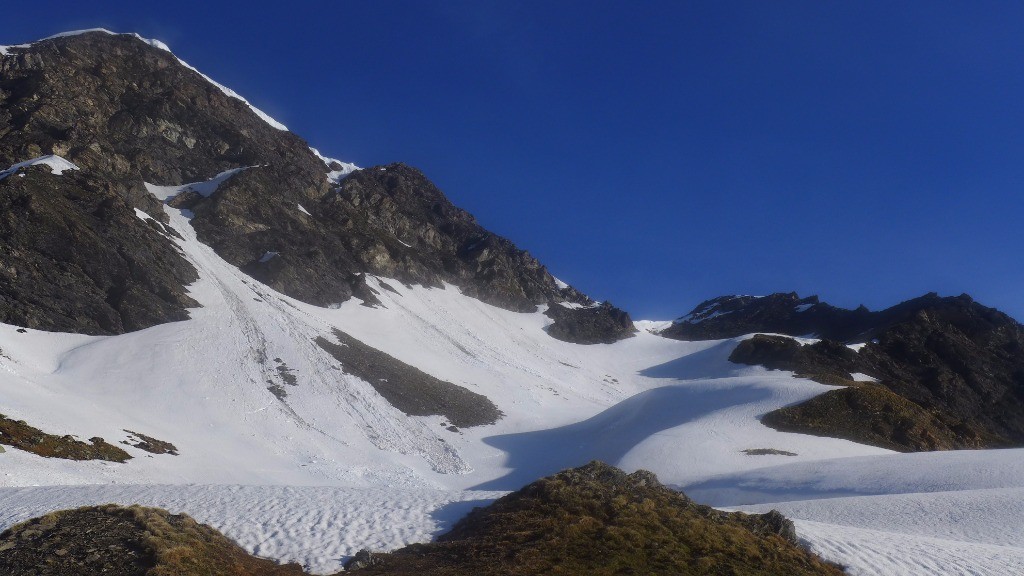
<point x="128" y="113"/>
<point x="408" y="388"/>
<point x="951" y="372"/>
<point x="783" y="313"/>
<point x="595" y="324"/>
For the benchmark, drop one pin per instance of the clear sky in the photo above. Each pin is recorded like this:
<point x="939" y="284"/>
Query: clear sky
<point x="656" y="154"/>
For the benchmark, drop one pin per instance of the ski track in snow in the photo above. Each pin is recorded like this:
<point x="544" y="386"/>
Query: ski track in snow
<point x="315" y="469"/>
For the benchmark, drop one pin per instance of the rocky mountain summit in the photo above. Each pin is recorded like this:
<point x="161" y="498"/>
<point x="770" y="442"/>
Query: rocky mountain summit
<point x="950" y="371"/>
<point x="130" y="115"/>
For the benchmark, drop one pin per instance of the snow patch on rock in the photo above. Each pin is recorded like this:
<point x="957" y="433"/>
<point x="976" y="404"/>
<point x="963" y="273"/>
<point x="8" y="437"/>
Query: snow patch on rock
<point x="336" y="176"/>
<point x="56" y="163"/>
<point x="205" y="188"/>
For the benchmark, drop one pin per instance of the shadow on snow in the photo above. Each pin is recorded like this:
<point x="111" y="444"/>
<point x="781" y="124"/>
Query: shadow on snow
<point x="608" y="436"/>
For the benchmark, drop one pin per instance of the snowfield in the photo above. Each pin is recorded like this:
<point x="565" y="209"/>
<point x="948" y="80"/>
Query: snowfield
<point x="330" y="467"/>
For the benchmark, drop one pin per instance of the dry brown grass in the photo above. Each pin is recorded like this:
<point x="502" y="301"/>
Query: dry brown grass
<point x="19" y="434"/>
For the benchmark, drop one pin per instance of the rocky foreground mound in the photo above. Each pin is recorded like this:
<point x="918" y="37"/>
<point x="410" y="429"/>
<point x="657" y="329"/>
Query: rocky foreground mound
<point x="118" y="541"/>
<point x="597" y="520"/>
<point x="591" y="520"/>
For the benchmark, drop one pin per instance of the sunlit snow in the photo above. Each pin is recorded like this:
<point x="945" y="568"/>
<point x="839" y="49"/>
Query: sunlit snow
<point x="56" y="163"/>
<point x="328" y="467"/>
<point x="204" y="188"/>
<point x="332" y="467"/>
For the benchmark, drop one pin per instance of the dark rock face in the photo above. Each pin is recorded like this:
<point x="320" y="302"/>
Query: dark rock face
<point x="597" y="520"/>
<point x="408" y="388"/>
<point x="826" y="361"/>
<point x="954" y="371"/>
<point x="731" y="316"/>
<point x="413" y="233"/>
<point x="119" y="541"/>
<point x="76" y="258"/>
<point x="600" y="324"/>
<point x="129" y="113"/>
<point x="960" y="357"/>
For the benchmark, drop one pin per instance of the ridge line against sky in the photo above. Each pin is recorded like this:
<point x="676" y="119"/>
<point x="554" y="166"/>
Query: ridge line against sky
<point x="663" y="154"/>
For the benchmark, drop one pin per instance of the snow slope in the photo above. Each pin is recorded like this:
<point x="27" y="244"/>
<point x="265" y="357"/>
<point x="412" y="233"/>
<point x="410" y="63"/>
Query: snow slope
<point x="331" y="467"/>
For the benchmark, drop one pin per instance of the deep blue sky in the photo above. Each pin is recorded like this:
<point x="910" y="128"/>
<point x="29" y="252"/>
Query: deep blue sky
<point x="657" y="154"/>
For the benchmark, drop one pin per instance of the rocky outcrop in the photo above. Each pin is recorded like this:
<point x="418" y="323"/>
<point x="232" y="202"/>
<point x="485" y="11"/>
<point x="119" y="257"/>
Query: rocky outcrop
<point x="149" y="444"/>
<point x="950" y="371"/>
<point x="23" y="436"/>
<point x="826" y="361"/>
<point x="594" y="324"/>
<point x="872" y="414"/>
<point x="389" y="221"/>
<point x="126" y="113"/>
<point x="119" y="541"/>
<point x="76" y="258"/>
<point x="597" y="519"/>
<point x="782" y="313"/>
<point x="408" y="388"/>
<point x="958" y="356"/>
